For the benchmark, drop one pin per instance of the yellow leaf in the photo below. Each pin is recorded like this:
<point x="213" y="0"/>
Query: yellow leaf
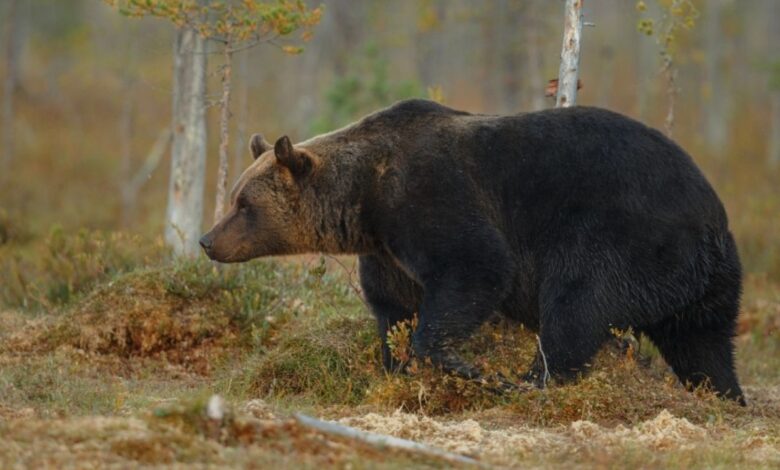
<point x="293" y="50"/>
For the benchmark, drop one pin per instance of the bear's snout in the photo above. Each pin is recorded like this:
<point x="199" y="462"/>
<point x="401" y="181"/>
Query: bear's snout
<point x="206" y="242"/>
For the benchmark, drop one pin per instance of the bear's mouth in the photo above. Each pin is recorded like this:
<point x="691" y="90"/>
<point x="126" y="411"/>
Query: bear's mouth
<point x="232" y="257"/>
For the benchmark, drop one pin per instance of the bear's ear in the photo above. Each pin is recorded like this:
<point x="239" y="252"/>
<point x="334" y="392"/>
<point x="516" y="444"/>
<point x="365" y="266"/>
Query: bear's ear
<point x="299" y="163"/>
<point x="258" y="146"/>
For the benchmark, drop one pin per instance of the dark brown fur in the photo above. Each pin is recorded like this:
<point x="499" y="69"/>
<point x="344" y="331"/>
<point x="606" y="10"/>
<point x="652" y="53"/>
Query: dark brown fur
<point x="572" y="221"/>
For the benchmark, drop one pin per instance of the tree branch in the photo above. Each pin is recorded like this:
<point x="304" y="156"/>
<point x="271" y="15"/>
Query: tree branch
<point x="384" y="441"/>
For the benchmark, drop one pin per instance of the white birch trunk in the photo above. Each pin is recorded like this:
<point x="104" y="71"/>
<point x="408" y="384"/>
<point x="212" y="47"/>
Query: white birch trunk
<point x="224" y="132"/>
<point x="188" y="150"/>
<point x="570" y="55"/>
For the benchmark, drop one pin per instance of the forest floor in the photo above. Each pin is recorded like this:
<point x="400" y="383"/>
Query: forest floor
<point x="116" y="368"/>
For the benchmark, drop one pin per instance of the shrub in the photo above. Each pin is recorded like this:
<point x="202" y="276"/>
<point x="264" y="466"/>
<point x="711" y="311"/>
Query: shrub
<point x="63" y="266"/>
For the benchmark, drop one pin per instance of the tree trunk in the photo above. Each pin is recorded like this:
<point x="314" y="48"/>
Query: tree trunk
<point x="716" y="96"/>
<point x="188" y="151"/>
<point x="242" y="102"/>
<point x="224" y="132"/>
<point x="11" y="81"/>
<point x="670" y="75"/>
<point x="570" y="55"/>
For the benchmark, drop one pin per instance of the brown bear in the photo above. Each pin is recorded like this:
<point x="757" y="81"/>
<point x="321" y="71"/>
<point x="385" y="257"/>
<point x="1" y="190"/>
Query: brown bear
<point x="572" y="221"/>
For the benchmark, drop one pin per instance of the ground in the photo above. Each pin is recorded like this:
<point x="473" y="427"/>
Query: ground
<point x="109" y="354"/>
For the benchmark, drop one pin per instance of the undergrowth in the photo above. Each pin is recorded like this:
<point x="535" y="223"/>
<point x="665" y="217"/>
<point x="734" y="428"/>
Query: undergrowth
<point x="61" y="267"/>
<point x="297" y="332"/>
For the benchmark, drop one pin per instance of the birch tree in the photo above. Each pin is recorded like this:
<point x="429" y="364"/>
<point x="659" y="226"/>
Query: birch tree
<point x="235" y="26"/>
<point x="188" y="149"/>
<point x="570" y="55"/>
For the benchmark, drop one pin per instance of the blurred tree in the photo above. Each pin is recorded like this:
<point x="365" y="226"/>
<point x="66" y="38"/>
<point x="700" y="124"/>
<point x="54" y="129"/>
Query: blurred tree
<point x="429" y="39"/>
<point x="716" y="97"/>
<point x="570" y="55"/>
<point x="510" y="15"/>
<point x="126" y="133"/>
<point x="534" y="32"/>
<point x="774" y="87"/>
<point x="239" y="150"/>
<point x="239" y="26"/>
<point x="503" y="54"/>
<point x="188" y="149"/>
<point x="366" y="88"/>
<point x="489" y="46"/>
<point x="236" y="25"/>
<point x="11" y="64"/>
<point x="676" y="16"/>
<point x="341" y="31"/>
<point x="646" y="70"/>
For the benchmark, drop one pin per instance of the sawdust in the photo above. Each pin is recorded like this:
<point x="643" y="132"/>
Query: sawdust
<point x="466" y="437"/>
<point x="663" y="433"/>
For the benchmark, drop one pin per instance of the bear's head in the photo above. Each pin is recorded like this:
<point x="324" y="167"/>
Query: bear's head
<point x="269" y="206"/>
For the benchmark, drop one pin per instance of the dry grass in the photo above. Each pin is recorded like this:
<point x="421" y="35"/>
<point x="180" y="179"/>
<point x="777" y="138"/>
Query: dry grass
<point x="118" y="373"/>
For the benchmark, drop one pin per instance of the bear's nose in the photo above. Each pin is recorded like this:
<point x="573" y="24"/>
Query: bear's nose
<point x="205" y="242"/>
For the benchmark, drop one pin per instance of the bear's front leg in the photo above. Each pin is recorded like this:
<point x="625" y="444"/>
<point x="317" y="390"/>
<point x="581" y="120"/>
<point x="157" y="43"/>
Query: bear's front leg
<point x="392" y="296"/>
<point x="464" y="281"/>
<point x="449" y="316"/>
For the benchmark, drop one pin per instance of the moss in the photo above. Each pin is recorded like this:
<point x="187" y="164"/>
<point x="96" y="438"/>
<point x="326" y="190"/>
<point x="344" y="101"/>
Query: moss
<point x="332" y="362"/>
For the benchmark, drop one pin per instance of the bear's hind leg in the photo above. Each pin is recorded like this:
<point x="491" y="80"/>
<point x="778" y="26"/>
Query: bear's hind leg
<point x="697" y="342"/>
<point x="702" y="356"/>
<point x="570" y="334"/>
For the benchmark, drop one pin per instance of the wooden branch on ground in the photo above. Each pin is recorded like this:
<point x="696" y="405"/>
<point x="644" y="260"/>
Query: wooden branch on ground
<point x="381" y="440"/>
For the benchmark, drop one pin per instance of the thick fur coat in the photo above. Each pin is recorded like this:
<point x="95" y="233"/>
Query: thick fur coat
<point x="572" y="221"/>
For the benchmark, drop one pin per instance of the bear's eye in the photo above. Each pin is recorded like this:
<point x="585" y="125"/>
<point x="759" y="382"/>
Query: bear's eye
<point x="242" y="205"/>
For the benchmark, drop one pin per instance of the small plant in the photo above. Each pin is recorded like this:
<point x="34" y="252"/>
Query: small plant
<point x="399" y="340"/>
